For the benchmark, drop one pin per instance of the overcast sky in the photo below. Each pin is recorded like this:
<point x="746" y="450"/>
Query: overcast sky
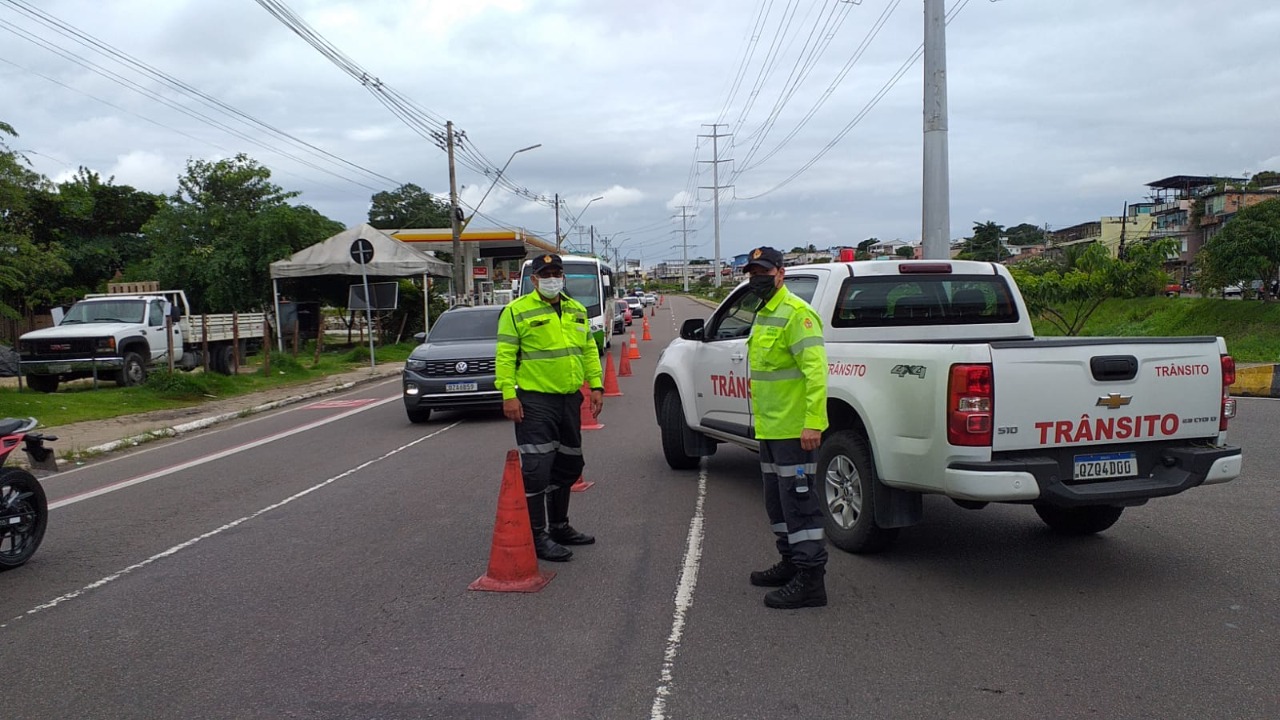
<point x="1060" y="111"/>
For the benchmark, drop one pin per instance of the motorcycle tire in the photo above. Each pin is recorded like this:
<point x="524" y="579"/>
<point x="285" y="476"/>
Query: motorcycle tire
<point x="22" y="499"/>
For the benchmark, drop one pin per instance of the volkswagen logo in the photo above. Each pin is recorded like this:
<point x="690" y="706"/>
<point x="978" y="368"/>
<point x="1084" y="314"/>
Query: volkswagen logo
<point x="461" y="366"/>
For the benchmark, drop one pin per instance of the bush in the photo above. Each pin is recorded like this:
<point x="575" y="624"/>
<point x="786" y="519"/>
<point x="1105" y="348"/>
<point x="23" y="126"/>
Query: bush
<point x="177" y="385"/>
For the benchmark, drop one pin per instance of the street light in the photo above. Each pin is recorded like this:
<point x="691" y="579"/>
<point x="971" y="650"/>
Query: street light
<point x="475" y="210"/>
<point x="581" y="212"/>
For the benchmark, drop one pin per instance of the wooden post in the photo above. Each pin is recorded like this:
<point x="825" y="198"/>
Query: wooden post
<point x="295" y="336"/>
<point x="266" y="348"/>
<point x="168" y="329"/>
<point x="319" y="340"/>
<point x="235" y="342"/>
<point x="204" y="343"/>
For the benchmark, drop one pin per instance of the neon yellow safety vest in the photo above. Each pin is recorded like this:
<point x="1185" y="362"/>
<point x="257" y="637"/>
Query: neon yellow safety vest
<point x="542" y="351"/>
<point x="787" y="362"/>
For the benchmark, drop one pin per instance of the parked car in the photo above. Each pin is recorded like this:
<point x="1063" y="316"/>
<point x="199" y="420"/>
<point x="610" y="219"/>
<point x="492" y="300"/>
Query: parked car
<point x="621" y="316"/>
<point x="453" y="368"/>
<point x="1233" y="291"/>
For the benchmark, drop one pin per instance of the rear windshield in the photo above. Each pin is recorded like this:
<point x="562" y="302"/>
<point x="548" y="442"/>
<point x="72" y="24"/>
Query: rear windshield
<point x="466" y="325"/>
<point x="899" y="301"/>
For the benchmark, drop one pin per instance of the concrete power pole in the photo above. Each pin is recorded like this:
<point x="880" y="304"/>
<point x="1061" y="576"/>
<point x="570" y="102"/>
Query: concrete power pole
<point x="684" y="244"/>
<point x="459" y="266"/>
<point x="715" y="187"/>
<point x="558" y="239"/>
<point x="593" y="241"/>
<point x="936" y="222"/>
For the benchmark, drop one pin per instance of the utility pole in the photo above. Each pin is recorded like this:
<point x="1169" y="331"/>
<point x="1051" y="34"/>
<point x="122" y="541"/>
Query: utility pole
<point x="558" y="239"/>
<point x="936" y="221"/>
<point x="459" y="279"/>
<point x="684" y="244"/>
<point x="715" y="188"/>
<point x="593" y="241"/>
<point x="1124" y="223"/>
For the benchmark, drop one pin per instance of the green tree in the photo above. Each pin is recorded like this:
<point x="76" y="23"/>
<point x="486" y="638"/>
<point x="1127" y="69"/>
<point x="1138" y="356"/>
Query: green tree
<point x="985" y="244"/>
<point x="1247" y="249"/>
<point x="865" y="245"/>
<point x="408" y="206"/>
<point x="217" y="235"/>
<point x="1066" y="291"/>
<point x="905" y="251"/>
<point x="1265" y="178"/>
<point x="29" y="273"/>
<point x="1024" y="234"/>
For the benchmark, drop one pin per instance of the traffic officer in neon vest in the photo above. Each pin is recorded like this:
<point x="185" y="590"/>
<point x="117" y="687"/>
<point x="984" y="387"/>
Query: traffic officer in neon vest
<point x="545" y="351"/>
<point x="787" y="363"/>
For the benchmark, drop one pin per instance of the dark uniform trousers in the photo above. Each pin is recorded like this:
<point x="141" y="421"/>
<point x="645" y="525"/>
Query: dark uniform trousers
<point x="792" y="502"/>
<point x="550" y="443"/>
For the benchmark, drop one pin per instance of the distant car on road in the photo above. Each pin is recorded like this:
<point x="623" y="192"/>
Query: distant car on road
<point x="649" y="299"/>
<point x="454" y="366"/>
<point x="636" y="305"/>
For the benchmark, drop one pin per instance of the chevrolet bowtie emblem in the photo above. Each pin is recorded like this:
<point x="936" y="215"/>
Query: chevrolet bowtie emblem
<point x="1114" y="400"/>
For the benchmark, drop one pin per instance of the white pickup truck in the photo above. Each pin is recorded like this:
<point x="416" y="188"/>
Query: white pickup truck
<point x="119" y="335"/>
<point x="936" y="385"/>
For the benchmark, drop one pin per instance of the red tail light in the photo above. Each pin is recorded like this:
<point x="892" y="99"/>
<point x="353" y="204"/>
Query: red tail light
<point x="969" y="405"/>
<point x="1228" y="409"/>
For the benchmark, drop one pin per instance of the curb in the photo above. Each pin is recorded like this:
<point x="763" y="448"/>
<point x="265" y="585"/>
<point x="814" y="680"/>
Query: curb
<point x="1257" y="381"/>
<point x="205" y="422"/>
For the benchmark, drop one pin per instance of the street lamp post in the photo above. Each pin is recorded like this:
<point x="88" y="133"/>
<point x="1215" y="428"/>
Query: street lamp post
<point x="475" y="210"/>
<point x="579" y="217"/>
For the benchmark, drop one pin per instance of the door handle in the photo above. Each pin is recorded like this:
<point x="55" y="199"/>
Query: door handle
<point x="737" y="357"/>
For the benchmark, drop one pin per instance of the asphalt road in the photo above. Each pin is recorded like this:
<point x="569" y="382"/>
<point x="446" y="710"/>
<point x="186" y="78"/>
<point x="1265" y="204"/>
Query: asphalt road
<point x="314" y="563"/>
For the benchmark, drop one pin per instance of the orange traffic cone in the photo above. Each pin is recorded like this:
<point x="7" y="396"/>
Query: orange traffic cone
<point x="624" y="363"/>
<point x="653" y="310"/>
<point x="513" y="563"/>
<point x="634" y="352"/>
<point x="589" y="421"/>
<point x="646" y="337"/>
<point x="581" y="485"/>
<point x="611" y="388"/>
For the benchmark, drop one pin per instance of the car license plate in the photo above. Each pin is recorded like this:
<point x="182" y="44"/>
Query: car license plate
<point x="460" y="387"/>
<point x="1105" y="465"/>
<point x="59" y="368"/>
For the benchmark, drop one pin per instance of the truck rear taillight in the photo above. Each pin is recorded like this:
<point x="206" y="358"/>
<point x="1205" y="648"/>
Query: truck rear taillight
<point x="1228" y="410"/>
<point x="969" y="402"/>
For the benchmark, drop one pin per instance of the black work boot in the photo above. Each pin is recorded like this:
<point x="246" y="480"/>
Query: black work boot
<point x="558" y="511"/>
<point x="543" y="545"/>
<point x="777" y="576"/>
<point x="806" y="589"/>
<point x="564" y="534"/>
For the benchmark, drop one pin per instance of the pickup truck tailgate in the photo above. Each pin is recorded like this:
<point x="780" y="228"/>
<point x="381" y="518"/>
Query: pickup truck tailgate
<point x="1055" y="393"/>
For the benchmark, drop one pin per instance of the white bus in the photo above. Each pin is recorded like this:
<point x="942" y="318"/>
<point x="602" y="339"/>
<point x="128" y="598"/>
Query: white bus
<point x="588" y="280"/>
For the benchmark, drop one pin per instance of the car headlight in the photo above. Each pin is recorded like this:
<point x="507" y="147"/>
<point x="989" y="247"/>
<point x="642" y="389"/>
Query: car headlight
<point x="415" y="364"/>
<point x="107" y="343"/>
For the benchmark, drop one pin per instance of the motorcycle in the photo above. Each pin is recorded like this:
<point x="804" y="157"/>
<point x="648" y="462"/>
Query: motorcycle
<point x="24" y="511"/>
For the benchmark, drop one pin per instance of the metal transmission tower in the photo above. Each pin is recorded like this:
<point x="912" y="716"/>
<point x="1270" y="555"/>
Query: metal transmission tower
<point x="936" y="221"/>
<point x="715" y="186"/>
<point x="684" y="243"/>
<point x="446" y="141"/>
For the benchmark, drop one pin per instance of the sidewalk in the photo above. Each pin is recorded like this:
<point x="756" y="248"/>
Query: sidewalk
<point x="95" y="437"/>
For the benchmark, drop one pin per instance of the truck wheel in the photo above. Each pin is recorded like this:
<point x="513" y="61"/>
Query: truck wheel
<point x="671" y="421"/>
<point x="848" y="476"/>
<point x="418" y="415"/>
<point x="224" y="360"/>
<point x="43" y="383"/>
<point x="134" y="372"/>
<point x="1085" y="520"/>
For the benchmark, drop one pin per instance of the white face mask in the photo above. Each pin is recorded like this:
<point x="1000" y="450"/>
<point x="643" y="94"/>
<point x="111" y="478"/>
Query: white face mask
<point x="550" y="287"/>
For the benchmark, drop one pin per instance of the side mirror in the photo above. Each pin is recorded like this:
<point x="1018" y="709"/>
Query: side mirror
<point x="691" y="329"/>
<point x="175" y="313"/>
<point x="420" y="337"/>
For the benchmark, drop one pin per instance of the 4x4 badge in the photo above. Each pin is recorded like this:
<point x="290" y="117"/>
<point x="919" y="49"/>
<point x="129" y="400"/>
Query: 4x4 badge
<point x="1114" y="400"/>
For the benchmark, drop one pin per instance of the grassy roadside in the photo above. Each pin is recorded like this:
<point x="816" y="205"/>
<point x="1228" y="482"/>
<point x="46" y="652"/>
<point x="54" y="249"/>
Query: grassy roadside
<point x="1250" y="327"/>
<point x="79" y="401"/>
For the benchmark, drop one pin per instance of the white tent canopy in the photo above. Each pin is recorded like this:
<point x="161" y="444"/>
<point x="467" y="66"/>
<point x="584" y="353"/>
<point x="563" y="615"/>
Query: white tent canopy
<point x="391" y="258"/>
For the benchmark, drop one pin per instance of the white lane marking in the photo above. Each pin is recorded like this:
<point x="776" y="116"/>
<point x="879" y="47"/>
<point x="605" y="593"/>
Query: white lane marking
<point x="684" y="598"/>
<point x="209" y="458"/>
<point x="216" y="531"/>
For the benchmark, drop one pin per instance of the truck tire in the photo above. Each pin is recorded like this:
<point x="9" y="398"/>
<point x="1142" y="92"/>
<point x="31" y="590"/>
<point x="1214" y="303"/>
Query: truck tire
<point x="848" y="479"/>
<point x="1085" y="520"/>
<point x="134" y="372"/>
<point x="43" y="383"/>
<point x="224" y="360"/>
<point x="671" y="421"/>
